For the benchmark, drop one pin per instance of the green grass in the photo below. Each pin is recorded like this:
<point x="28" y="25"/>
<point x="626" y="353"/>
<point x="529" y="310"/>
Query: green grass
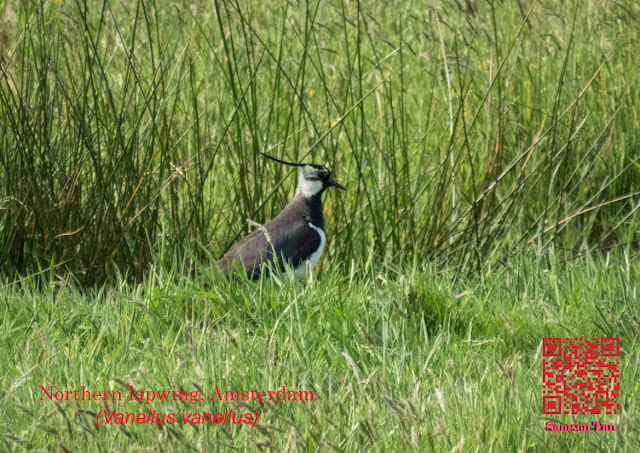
<point x="491" y="152"/>
<point x="464" y="131"/>
<point x="374" y="343"/>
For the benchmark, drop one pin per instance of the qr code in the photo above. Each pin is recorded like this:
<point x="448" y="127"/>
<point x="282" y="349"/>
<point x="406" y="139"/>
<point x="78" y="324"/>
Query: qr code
<point x="580" y="377"/>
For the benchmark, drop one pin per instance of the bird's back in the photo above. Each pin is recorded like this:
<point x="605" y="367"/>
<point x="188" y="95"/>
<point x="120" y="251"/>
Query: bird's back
<point x="294" y="236"/>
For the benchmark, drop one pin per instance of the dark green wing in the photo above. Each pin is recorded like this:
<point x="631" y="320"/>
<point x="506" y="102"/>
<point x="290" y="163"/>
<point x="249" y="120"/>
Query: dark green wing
<point x="292" y="241"/>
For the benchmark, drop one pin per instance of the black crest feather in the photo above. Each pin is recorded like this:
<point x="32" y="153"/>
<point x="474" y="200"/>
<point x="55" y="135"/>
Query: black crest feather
<point x="281" y="161"/>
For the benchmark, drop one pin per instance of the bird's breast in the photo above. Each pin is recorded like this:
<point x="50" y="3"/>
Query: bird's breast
<point x="313" y="258"/>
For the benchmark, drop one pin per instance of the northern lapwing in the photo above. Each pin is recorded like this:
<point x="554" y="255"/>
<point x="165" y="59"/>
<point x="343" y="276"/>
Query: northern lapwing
<point x="296" y="235"/>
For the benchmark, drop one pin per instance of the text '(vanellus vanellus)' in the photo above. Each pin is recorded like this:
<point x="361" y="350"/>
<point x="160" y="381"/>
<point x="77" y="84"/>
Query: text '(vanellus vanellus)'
<point x="296" y="235"/>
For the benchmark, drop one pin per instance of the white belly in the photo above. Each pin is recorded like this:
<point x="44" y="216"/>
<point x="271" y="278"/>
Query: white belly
<point x="301" y="270"/>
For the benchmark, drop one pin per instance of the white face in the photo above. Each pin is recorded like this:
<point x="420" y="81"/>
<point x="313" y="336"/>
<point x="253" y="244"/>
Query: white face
<point x="310" y="181"/>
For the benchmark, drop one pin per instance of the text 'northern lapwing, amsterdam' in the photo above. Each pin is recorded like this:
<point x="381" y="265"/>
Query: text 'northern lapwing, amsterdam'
<point x="296" y="235"/>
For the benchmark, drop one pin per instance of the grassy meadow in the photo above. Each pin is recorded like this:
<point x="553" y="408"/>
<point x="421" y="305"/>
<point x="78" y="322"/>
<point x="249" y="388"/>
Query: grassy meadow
<point x="491" y="152"/>
<point x="398" y="358"/>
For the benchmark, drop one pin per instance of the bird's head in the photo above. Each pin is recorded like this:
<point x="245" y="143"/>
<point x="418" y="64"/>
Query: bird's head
<point x="313" y="179"/>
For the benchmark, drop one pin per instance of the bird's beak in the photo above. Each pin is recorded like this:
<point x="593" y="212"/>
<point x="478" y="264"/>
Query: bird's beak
<point x="336" y="184"/>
